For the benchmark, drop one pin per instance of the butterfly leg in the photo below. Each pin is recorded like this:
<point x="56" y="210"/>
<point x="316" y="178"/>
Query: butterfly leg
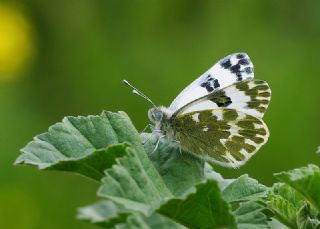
<point x="154" y="132"/>
<point x="147" y="126"/>
<point x="157" y="144"/>
<point x="143" y="143"/>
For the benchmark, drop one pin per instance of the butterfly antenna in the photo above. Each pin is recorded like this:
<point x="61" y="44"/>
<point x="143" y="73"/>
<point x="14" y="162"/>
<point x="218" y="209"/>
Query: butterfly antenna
<point x="137" y="92"/>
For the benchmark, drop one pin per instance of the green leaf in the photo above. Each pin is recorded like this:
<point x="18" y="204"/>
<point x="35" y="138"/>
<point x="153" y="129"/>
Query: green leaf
<point x="158" y="221"/>
<point x="288" y="193"/>
<point x="134" y="183"/>
<point x="94" y="164"/>
<point x="209" y="173"/>
<point x="250" y="215"/>
<point x="283" y="210"/>
<point x="244" y="189"/>
<point x="104" y="213"/>
<point x="110" y="215"/>
<point x="285" y="203"/>
<point x="305" y="219"/>
<point x="138" y="221"/>
<point x="179" y="169"/>
<point x="305" y="180"/>
<point x="130" y="183"/>
<point x="276" y="224"/>
<point x="81" y="144"/>
<point x="204" y="208"/>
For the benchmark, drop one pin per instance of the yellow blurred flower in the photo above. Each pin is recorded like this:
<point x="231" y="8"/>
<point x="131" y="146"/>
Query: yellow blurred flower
<point x="16" y="41"/>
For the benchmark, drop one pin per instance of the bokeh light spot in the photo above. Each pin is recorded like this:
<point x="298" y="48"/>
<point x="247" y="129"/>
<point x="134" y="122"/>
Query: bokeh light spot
<point x="16" y="42"/>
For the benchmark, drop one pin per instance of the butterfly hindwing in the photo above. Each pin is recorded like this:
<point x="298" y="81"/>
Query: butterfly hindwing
<point x="229" y="70"/>
<point x="224" y="136"/>
<point x="249" y="96"/>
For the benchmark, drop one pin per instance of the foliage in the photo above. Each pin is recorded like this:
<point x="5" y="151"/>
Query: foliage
<point x="147" y="187"/>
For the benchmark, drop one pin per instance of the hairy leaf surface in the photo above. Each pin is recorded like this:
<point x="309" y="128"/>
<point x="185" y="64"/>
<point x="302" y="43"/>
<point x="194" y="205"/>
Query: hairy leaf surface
<point x="107" y="214"/>
<point x="179" y="169"/>
<point x="243" y="189"/>
<point x="84" y="145"/>
<point x="284" y="202"/>
<point x="204" y="208"/>
<point x="250" y="215"/>
<point x="305" y="180"/>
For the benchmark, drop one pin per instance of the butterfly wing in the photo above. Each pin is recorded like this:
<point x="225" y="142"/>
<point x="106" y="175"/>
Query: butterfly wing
<point x="249" y="96"/>
<point x="233" y="68"/>
<point x="227" y="137"/>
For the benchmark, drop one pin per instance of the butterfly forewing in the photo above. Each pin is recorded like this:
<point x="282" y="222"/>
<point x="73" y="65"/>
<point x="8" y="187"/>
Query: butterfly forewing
<point x="249" y="96"/>
<point x="229" y="70"/>
<point x="225" y="136"/>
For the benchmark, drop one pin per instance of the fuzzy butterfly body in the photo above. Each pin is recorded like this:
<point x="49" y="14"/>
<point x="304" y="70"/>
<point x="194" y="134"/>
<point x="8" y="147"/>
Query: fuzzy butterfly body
<point x="218" y="117"/>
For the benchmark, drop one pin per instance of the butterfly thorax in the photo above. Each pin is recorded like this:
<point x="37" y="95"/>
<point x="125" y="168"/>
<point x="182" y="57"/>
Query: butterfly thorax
<point x="161" y="118"/>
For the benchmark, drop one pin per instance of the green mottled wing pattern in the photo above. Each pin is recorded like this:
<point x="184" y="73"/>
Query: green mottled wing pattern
<point x="225" y="136"/>
<point x="226" y="126"/>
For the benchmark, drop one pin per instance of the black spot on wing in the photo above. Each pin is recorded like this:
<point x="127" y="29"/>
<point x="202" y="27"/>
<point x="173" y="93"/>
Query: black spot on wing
<point x="221" y="99"/>
<point x="237" y="69"/>
<point x="210" y="83"/>
<point x="248" y="70"/>
<point x="226" y="63"/>
<point x="216" y="83"/>
<point x="207" y="85"/>
<point x="243" y="61"/>
<point x="239" y="76"/>
<point x="240" y="56"/>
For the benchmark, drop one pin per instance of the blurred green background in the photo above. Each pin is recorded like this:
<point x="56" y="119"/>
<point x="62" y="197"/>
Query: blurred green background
<point x="68" y="57"/>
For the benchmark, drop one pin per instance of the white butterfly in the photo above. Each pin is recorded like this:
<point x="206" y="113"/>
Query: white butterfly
<point x="218" y="117"/>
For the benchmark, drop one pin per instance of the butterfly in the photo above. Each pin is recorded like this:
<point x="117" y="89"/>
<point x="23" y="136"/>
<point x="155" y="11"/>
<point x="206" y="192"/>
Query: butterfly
<point x="218" y="117"/>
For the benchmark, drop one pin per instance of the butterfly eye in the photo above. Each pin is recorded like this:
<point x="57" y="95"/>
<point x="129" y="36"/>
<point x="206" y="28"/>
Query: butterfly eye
<point x="158" y="115"/>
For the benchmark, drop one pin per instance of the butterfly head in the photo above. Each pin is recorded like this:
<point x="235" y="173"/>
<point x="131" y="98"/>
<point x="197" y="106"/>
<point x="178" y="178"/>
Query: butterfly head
<point x="158" y="114"/>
